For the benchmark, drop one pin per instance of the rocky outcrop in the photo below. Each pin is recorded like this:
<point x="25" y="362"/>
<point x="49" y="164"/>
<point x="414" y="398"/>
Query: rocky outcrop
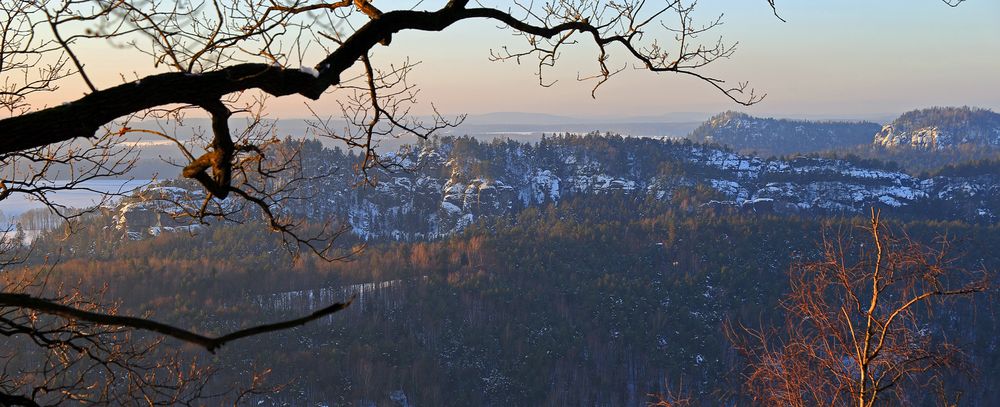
<point x="452" y="183"/>
<point x="155" y="209"/>
<point x="942" y="127"/>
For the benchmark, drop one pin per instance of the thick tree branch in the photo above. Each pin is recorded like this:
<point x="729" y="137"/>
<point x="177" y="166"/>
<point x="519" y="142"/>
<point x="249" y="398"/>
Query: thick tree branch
<point x="220" y="158"/>
<point x="83" y="117"/>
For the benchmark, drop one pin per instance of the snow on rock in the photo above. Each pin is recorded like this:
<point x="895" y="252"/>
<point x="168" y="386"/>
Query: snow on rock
<point x="310" y="70"/>
<point x="449" y="188"/>
<point x="450" y="208"/>
<point x="545" y="187"/>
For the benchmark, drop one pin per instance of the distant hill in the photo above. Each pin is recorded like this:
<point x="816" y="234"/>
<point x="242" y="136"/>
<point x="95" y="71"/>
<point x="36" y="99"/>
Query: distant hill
<point x="770" y="136"/>
<point x="518" y="118"/>
<point x="530" y="126"/>
<point x="942" y="127"/>
<point x="532" y="118"/>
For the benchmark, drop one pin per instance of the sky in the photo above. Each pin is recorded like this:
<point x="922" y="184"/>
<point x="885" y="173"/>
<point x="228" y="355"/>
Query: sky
<point x="830" y="59"/>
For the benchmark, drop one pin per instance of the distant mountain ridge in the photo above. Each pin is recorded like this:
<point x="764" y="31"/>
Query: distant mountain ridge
<point x="781" y="136"/>
<point x="930" y="129"/>
<point x="534" y="118"/>
<point x="942" y="127"/>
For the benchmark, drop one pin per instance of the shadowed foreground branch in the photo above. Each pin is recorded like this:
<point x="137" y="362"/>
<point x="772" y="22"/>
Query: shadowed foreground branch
<point x="50" y="307"/>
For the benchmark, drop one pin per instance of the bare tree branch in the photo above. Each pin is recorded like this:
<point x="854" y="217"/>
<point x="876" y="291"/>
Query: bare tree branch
<point x="834" y="350"/>
<point x="25" y="301"/>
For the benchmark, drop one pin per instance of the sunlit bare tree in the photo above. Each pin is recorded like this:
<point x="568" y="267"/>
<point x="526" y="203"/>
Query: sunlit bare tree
<point x="857" y="327"/>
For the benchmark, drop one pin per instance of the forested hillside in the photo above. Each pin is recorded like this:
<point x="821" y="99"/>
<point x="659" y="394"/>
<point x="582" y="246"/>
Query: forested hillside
<point x="596" y="300"/>
<point x="439" y="188"/>
<point x="584" y="272"/>
<point x="768" y="136"/>
<point x="918" y="141"/>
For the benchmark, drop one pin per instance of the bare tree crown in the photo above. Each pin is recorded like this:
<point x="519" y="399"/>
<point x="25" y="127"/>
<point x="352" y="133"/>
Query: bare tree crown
<point x="855" y="329"/>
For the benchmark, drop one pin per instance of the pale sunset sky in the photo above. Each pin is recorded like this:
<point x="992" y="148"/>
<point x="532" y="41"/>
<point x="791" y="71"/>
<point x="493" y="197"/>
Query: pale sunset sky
<point x="831" y="58"/>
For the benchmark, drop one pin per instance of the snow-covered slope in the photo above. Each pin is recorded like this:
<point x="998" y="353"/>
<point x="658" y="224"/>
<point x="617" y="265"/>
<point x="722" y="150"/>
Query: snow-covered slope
<point x="455" y="182"/>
